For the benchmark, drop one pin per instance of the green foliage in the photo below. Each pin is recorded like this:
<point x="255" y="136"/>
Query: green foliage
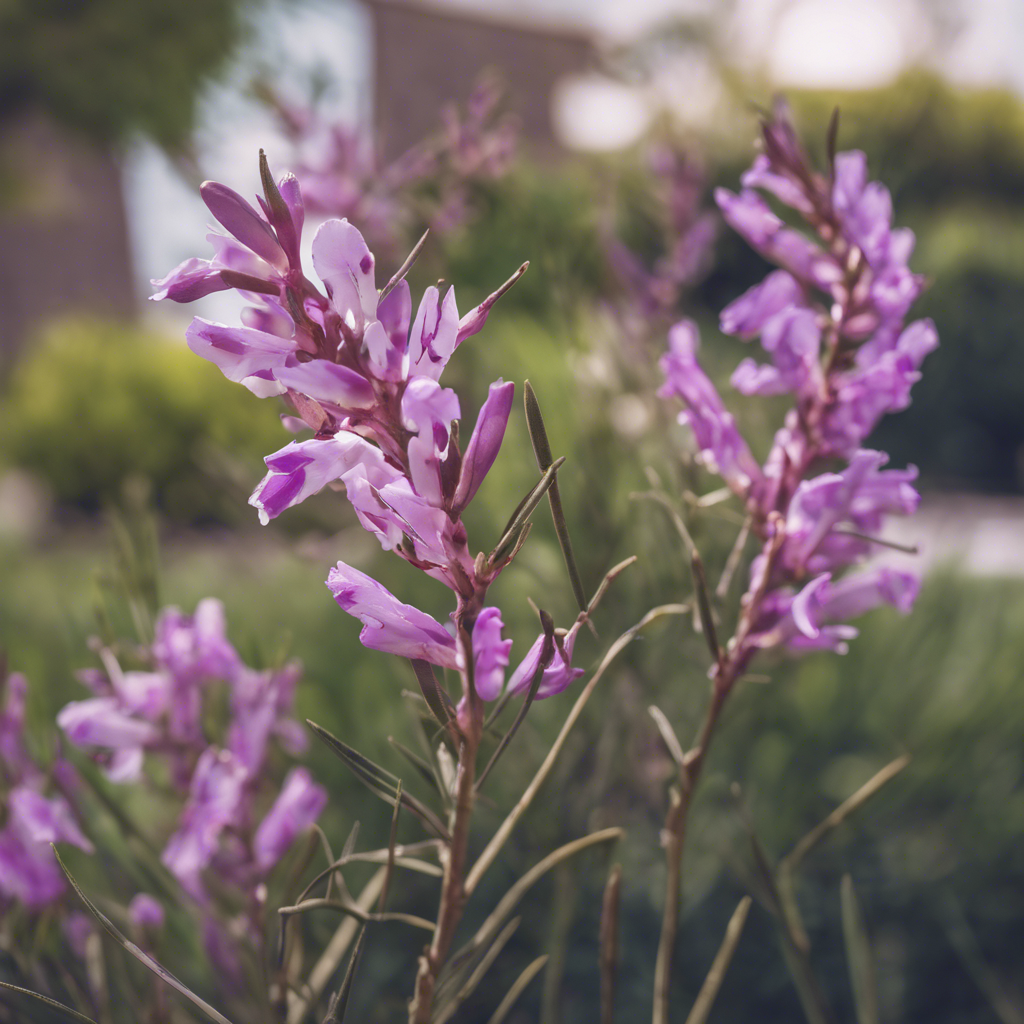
<point x="112" y="67"/>
<point x="95" y="404"/>
<point x="542" y="214"/>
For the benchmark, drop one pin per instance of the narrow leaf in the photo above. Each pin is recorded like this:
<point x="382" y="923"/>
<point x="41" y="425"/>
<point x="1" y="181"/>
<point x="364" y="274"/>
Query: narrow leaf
<point x="440" y="704"/>
<point x="523" y="512"/>
<point x="508" y="902"/>
<point x="480" y="967"/>
<point x="516" y="990"/>
<point x="498" y="840"/>
<point x="270" y="190"/>
<point x="716" y="975"/>
<point x="830" y="142"/>
<point x="324" y="969"/>
<point x="668" y="735"/>
<point x="793" y="859"/>
<point x="542" y="450"/>
<point x="144" y="958"/>
<point x="51" y="1003"/>
<point x="859" y="957"/>
<point x="707" y="618"/>
<point x="405" y="267"/>
<point x="609" y="943"/>
<point x="423" y="769"/>
<point x="339" y="1001"/>
<point x="380" y="781"/>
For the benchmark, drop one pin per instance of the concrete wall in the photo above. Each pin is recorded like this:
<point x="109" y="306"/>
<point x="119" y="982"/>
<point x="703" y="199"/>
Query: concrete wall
<point x="426" y="57"/>
<point x="63" y="235"/>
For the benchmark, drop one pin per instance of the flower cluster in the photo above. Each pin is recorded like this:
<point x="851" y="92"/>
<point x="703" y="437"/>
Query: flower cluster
<point x="362" y="373"/>
<point x="160" y="711"/>
<point x="29" y="873"/>
<point x="687" y="231"/>
<point x="342" y="174"/>
<point x="831" y="320"/>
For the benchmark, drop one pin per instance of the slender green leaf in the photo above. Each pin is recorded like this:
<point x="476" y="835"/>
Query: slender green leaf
<point x="405" y="267"/>
<point x="380" y="781"/>
<point x="859" y="957"/>
<point x="339" y="1001"/>
<point x="609" y="942"/>
<point x="542" y="451"/>
<point x="793" y="859"/>
<point x="831" y="138"/>
<point x="440" y="704"/>
<point x="517" y="989"/>
<point x="716" y="975"/>
<point x="423" y="769"/>
<point x="271" y="192"/>
<point x="144" y="958"/>
<point x="480" y="966"/>
<point x="523" y="511"/>
<point x="512" y="897"/>
<point x="51" y="1003"/>
<point x="707" y="617"/>
<point x="668" y="735"/>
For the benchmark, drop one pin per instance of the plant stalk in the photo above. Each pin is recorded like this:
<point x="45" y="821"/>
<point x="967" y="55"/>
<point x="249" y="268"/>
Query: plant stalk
<point x="453" y="890"/>
<point x="674" y="838"/>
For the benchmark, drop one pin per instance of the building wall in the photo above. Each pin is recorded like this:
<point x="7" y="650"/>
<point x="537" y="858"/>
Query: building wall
<point x="63" y="234"/>
<point x="427" y="57"/>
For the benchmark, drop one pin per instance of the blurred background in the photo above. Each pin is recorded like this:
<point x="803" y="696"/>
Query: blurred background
<point x="585" y="137"/>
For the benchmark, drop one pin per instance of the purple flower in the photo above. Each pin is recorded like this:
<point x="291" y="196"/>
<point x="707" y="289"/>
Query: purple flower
<point x="195" y="647"/>
<point x="303" y="468"/>
<point x="490" y="654"/>
<point x="29" y="873"/>
<point x="297" y="806"/>
<point x="867" y="393"/>
<point x="747" y="315"/>
<point x="346" y="267"/>
<point x="215" y="802"/>
<point x="243" y="354"/>
<point x="435" y="333"/>
<point x="749" y="215"/>
<point x="763" y="175"/>
<point x="405" y="522"/>
<point x="794" y="340"/>
<point x="389" y="625"/>
<point x="244" y="222"/>
<point x="485" y="442"/>
<point x="146" y="912"/>
<point x="260" y="704"/>
<point x="101" y="722"/>
<point x="722" y="449"/>
<point x="803" y="626"/>
<point x="832" y="321"/>
<point x="328" y="384"/>
<point x="13" y="755"/>
<point x="559" y="674"/>
<point x="428" y="411"/>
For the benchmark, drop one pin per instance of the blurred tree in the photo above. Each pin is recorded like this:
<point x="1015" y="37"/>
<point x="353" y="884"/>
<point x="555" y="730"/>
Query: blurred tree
<point x="111" y="67"/>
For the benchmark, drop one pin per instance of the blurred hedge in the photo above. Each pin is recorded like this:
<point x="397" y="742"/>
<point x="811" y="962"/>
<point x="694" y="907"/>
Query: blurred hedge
<point x="95" y="404"/>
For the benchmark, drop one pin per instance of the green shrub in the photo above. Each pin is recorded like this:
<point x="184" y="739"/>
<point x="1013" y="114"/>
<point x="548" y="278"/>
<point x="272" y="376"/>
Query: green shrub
<point x="95" y="404"/>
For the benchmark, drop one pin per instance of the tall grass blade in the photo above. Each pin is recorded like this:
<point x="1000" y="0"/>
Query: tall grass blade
<point x="144" y="958"/>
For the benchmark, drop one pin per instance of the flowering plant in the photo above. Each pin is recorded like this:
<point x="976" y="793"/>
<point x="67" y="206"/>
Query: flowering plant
<point x="831" y="319"/>
<point x="361" y="374"/>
